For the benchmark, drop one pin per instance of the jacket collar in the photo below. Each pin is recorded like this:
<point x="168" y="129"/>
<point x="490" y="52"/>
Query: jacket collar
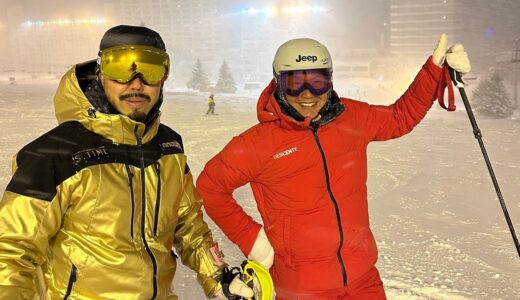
<point x="71" y="104"/>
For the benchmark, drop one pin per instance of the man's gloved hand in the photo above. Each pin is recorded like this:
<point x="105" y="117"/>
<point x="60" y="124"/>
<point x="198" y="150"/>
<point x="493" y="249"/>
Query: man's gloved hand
<point x="233" y="288"/>
<point x="262" y="250"/>
<point x="456" y="56"/>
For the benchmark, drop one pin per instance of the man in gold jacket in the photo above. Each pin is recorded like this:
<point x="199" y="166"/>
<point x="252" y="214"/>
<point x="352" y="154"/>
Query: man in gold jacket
<point x="99" y="201"/>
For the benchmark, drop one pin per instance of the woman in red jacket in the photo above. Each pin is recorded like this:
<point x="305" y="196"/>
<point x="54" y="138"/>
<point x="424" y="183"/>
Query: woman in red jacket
<point x="306" y="162"/>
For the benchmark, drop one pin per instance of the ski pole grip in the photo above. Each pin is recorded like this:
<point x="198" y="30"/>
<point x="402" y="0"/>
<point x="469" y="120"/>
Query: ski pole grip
<point x="456" y="78"/>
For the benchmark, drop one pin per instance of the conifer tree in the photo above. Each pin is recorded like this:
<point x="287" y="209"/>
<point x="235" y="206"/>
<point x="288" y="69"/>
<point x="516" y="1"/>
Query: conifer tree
<point x="199" y="80"/>
<point x="492" y="99"/>
<point x="225" y="82"/>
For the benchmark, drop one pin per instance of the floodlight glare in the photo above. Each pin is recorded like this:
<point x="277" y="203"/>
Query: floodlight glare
<point x="302" y="9"/>
<point x="62" y="22"/>
<point x="268" y="11"/>
<point x="317" y="9"/>
<point x="252" y="11"/>
<point x="289" y="10"/>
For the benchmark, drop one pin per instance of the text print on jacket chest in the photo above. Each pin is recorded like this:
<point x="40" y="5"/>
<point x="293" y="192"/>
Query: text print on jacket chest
<point x="285" y="153"/>
<point x="91" y="154"/>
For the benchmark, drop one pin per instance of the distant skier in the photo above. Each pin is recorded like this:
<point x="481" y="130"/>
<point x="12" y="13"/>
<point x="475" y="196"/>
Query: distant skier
<point x="211" y="104"/>
<point x="307" y="165"/>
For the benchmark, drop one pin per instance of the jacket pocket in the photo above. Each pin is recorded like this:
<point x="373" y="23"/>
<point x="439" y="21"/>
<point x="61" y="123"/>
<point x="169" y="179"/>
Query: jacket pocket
<point x="72" y="280"/>
<point x="312" y="236"/>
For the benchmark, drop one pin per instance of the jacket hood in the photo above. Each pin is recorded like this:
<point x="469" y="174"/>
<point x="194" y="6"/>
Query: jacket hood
<point x="269" y="110"/>
<point x="72" y="104"/>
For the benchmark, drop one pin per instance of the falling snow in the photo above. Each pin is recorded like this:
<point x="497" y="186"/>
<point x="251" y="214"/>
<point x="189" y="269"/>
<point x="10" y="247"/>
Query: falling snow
<point x="434" y="212"/>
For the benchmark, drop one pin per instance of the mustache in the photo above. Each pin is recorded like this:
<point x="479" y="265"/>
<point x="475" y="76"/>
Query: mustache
<point x="135" y="95"/>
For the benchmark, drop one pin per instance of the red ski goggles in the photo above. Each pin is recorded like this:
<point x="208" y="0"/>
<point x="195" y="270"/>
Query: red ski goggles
<point x="317" y="81"/>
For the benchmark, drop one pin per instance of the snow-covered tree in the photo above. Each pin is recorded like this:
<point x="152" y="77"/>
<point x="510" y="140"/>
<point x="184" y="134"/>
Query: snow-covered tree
<point x="225" y="82"/>
<point x="492" y="99"/>
<point x="199" y="80"/>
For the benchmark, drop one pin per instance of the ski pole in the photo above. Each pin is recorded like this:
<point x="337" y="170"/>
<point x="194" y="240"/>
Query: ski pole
<point x="457" y="81"/>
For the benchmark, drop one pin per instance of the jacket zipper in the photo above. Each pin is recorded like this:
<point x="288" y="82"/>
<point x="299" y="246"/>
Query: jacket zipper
<point x="338" y="218"/>
<point x="72" y="279"/>
<point x="157" y="167"/>
<point x="132" y="199"/>
<point x="143" y="212"/>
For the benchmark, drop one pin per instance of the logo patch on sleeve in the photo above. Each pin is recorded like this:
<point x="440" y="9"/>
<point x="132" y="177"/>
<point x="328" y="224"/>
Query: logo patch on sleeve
<point x="171" y="147"/>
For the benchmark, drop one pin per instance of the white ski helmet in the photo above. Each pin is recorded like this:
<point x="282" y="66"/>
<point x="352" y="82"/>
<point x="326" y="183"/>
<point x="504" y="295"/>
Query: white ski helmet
<point x="301" y="54"/>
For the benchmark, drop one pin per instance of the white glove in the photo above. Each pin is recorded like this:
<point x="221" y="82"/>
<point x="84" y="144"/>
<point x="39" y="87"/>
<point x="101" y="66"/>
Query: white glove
<point x="439" y="54"/>
<point x="262" y="250"/>
<point x="238" y="288"/>
<point x="456" y="56"/>
<point x="458" y="59"/>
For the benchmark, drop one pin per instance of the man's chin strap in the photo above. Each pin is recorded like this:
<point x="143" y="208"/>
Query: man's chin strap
<point x="154" y="113"/>
<point x="286" y="107"/>
<point x="91" y="86"/>
<point x="332" y="108"/>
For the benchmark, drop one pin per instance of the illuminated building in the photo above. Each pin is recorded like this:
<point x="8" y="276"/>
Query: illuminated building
<point x="484" y="27"/>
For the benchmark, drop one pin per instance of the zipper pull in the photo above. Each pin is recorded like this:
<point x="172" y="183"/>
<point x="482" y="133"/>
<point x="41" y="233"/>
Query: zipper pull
<point x="73" y="276"/>
<point x="137" y="136"/>
<point x="91" y="112"/>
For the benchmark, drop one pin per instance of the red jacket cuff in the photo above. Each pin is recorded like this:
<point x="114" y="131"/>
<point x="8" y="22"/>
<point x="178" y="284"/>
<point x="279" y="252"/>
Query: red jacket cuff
<point x="434" y="70"/>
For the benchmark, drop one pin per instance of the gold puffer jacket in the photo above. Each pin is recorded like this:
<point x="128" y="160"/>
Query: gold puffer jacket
<point x="98" y="203"/>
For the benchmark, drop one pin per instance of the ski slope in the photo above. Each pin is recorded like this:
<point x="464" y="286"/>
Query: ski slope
<point x="435" y="215"/>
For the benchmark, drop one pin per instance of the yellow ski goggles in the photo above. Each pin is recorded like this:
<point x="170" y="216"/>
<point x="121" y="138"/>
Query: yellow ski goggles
<point x="124" y="63"/>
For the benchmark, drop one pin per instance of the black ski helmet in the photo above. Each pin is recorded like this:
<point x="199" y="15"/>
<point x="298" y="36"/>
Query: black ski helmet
<point x="131" y="35"/>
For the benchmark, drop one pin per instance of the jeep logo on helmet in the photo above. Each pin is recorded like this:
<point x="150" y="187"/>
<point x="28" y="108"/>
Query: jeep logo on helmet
<point x="312" y="58"/>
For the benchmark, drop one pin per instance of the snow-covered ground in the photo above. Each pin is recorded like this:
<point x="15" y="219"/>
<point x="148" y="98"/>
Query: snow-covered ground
<point x="434" y="212"/>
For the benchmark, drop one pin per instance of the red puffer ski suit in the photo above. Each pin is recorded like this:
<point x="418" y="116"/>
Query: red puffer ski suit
<point x="310" y="185"/>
